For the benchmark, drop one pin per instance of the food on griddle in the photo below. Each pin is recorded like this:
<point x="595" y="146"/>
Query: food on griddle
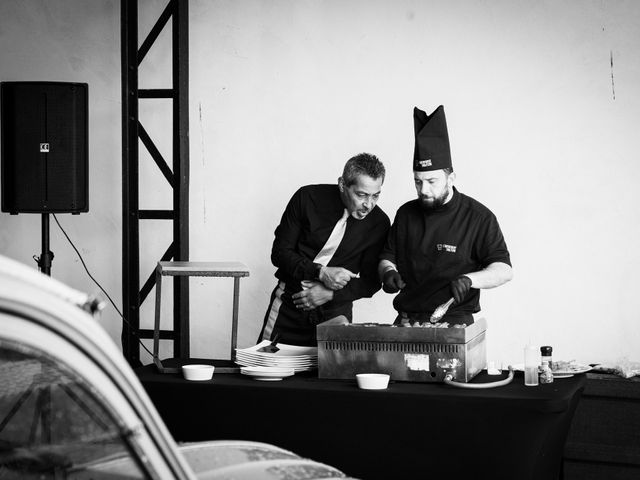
<point x="416" y="324"/>
<point x="427" y="325"/>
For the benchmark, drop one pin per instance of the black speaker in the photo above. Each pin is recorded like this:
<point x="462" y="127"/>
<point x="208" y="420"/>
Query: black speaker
<point x="45" y="147"/>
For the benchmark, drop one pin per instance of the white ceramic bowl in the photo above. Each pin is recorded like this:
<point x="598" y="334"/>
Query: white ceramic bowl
<point x="372" y="381"/>
<point x="197" y="372"/>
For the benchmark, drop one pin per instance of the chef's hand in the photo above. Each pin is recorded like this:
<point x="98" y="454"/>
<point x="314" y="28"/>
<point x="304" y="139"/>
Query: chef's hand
<point x="460" y="286"/>
<point x="392" y="281"/>
<point x="313" y="295"/>
<point x="335" y="278"/>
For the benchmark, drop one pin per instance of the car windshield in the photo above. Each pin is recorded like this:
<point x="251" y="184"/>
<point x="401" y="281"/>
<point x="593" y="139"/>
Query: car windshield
<point x="52" y="423"/>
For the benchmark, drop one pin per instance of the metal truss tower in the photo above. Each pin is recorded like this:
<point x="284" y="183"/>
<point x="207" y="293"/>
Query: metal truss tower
<point x="133" y="132"/>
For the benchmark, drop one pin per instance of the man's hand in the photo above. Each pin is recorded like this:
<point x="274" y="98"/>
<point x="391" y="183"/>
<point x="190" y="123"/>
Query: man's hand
<point x="460" y="286"/>
<point x="313" y="295"/>
<point x="392" y="282"/>
<point x="335" y="278"/>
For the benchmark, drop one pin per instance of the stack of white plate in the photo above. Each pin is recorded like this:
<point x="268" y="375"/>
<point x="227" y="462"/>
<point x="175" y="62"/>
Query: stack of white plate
<point x="294" y="357"/>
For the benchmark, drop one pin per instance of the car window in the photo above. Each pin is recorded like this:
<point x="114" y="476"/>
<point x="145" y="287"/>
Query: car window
<point x="52" y="424"/>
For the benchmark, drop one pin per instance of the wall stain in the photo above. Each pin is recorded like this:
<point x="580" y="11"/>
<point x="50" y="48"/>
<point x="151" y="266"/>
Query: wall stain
<point x="613" y="86"/>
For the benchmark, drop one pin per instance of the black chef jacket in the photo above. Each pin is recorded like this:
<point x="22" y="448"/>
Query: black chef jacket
<point x="306" y="224"/>
<point x="431" y="248"/>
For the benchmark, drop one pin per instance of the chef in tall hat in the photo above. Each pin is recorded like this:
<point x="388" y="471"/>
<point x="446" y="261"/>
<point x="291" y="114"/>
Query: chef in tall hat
<point x="444" y="244"/>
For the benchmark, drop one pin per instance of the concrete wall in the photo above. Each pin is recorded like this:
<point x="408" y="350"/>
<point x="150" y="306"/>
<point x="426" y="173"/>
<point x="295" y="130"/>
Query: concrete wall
<point x="542" y="101"/>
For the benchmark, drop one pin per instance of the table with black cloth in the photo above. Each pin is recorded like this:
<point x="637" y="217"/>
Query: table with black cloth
<point x="409" y="430"/>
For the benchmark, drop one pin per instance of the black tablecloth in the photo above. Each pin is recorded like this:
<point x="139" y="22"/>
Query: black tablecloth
<point x="410" y="430"/>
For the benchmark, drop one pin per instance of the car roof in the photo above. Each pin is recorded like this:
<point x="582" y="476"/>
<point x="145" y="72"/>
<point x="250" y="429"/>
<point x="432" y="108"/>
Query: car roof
<point x="37" y="298"/>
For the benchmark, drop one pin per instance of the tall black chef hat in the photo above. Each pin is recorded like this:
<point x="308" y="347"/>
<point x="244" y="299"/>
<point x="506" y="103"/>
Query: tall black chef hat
<point x="432" y="150"/>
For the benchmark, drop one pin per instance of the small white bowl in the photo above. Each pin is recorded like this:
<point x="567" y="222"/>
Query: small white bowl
<point x="372" y="381"/>
<point x="197" y="372"/>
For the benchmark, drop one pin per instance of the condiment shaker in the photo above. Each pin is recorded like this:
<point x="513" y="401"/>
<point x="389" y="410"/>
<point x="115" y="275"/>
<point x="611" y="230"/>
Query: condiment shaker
<point x="546" y="374"/>
<point x="545" y="354"/>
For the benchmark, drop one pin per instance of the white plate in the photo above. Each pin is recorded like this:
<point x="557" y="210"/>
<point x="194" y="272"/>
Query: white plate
<point x="564" y="373"/>
<point x="267" y="374"/>
<point x="266" y="378"/>
<point x="267" y="371"/>
<point x="571" y="370"/>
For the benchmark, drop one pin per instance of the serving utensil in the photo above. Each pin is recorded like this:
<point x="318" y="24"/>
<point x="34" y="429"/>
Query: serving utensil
<point x="440" y="312"/>
<point x="271" y="348"/>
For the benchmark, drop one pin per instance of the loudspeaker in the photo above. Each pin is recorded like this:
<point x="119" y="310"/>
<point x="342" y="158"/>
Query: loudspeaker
<point x="45" y="147"/>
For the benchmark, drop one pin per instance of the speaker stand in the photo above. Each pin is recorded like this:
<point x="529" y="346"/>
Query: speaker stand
<point x="42" y="386"/>
<point x="46" y="257"/>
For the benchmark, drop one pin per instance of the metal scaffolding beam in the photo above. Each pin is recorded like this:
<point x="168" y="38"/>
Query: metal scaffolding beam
<point x="177" y="176"/>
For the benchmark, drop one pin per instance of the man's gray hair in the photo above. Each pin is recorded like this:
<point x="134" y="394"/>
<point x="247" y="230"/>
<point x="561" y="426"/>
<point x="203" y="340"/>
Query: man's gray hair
<point x="362" y="164"/>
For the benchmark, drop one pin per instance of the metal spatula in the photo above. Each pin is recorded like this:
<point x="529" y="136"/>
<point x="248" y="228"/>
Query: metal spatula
<point x="440" y="312"/>
<point x="271" y="348"/>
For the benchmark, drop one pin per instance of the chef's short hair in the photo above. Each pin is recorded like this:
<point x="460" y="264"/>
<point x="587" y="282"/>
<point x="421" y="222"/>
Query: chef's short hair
<point x="362" y="164"/>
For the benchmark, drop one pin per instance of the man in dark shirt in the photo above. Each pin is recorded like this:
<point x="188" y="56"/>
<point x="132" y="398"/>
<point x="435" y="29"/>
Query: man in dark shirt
<point x="443" y="244"/>
<point x="326" y="251"/>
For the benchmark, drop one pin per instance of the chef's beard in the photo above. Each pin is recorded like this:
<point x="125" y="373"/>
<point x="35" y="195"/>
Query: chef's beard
<point x="433" y="203"/>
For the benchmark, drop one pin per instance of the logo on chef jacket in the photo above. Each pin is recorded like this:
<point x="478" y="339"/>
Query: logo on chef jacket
<point x="443" y="247"/>
<point x="44" y="148"/>
<point x="425" y="163"/>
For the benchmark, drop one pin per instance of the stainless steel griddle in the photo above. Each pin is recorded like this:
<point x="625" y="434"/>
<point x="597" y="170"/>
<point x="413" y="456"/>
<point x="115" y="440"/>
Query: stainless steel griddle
<point x="414" y="354"/>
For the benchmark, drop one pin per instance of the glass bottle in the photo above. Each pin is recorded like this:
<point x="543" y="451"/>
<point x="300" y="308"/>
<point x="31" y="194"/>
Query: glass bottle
<point x="545" y="354"/>
<point x="546" y="373"/>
